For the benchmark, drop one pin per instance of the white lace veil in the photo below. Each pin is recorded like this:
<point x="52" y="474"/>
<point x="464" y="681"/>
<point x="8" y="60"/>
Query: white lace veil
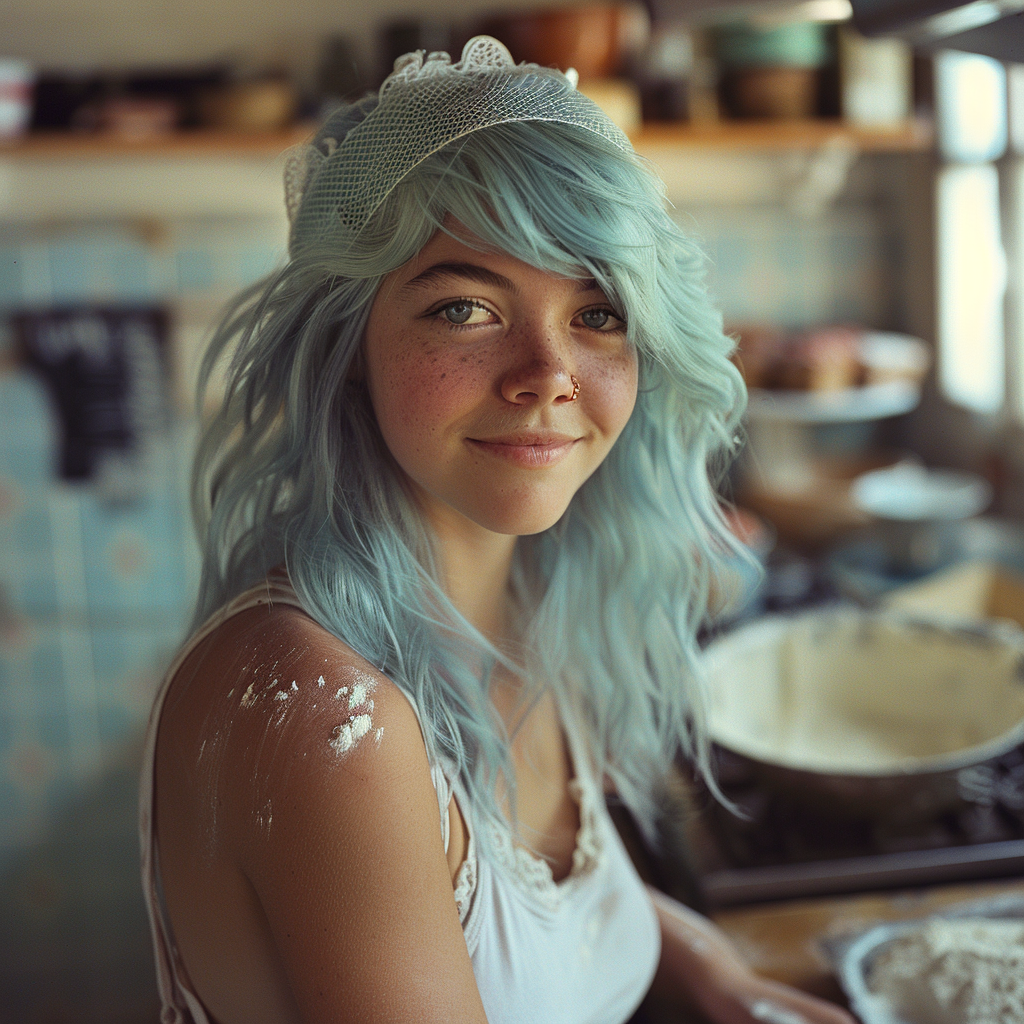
<point x="334" y="186"/>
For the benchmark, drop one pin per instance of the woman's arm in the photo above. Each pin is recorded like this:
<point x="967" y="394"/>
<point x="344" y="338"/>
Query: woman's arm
<point x="701" y="967"/>
<point x="319" y="892"/>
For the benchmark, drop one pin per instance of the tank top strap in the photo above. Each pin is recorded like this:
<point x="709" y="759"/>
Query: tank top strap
<point x="448" y="790"/>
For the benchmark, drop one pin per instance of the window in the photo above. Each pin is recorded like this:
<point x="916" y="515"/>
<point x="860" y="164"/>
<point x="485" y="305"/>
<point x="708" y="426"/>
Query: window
<point x="971" y="113"/>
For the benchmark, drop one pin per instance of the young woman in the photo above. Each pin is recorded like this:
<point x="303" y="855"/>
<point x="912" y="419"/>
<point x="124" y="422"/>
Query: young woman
<point x="458" y="534"/>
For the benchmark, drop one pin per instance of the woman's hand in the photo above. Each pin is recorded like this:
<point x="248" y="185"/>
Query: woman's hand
<point x="749" y="999"/>
<point x="700" y="966"/>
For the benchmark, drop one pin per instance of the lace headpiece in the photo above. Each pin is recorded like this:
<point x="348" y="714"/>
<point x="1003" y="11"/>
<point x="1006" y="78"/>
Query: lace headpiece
<point x="424" y="104"/>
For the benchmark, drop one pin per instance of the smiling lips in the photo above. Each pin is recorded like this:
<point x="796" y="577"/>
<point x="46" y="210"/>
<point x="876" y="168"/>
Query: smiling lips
<point x="527" y="449"/>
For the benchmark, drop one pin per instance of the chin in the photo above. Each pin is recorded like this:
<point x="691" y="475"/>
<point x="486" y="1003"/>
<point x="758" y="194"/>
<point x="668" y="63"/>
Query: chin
<point x="516" y="521"/>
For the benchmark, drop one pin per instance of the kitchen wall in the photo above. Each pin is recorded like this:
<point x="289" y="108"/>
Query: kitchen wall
<point x="765" y="264"/>
<point x="94" y="598"/>
<point x="96" y="585"/>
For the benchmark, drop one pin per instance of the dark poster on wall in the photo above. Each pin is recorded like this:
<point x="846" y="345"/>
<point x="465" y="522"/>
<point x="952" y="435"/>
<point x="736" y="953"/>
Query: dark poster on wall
<point x="106" y="371"/>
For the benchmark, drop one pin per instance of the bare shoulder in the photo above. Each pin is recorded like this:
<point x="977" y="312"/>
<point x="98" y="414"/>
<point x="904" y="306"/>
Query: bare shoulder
<point x="318" y="859"/>
<point x="270" y="690"/>
<point x="273" y="717"/>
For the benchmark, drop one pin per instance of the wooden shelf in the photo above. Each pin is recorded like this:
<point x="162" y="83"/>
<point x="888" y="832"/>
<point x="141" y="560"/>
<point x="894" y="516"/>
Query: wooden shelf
<point x="200" y="142"/>
<point x="914" y="136"/>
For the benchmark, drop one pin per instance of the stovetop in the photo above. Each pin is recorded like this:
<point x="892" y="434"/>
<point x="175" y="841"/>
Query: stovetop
<point x="778" y="847"/>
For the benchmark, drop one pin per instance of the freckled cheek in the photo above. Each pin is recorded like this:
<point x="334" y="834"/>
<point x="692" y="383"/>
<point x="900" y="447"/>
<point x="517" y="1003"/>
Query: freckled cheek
<point x="418" y="397"/>
<point x="612" y="387"/>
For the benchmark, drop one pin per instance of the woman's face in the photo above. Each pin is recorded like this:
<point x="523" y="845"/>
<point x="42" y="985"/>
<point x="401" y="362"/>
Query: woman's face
<point x="470" y="359"/>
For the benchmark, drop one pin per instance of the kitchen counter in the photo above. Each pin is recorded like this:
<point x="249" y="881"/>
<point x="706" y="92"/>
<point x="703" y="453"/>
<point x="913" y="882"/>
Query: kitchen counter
<point x="783" y="940"/>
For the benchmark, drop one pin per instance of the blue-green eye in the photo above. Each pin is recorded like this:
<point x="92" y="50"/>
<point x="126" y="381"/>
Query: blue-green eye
<point x="458" y="312"/>
<point x="600" y="319"/>
<point x="463" y="313"/>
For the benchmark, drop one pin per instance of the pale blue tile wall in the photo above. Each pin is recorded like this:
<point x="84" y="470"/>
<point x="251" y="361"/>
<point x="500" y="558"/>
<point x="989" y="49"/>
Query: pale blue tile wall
<point x="767" y="265"/>
<point x="130" y="264"/>
<point x="94" y="598"/>
<point x="93" y="601"/>
<point x="72" y="562"/>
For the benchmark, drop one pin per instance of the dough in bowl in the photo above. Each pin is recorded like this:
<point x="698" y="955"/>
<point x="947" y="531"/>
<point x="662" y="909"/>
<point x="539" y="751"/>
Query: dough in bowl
<point x="849" y="692"/>
<point x="952" y="972"/>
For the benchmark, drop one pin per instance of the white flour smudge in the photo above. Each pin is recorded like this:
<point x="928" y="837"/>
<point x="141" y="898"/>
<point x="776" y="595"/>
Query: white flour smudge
<point x="265" y="816"/>
<point x="349" y="733"/>
<point x="771" y="1013"/>
<point x="346" y="736"/>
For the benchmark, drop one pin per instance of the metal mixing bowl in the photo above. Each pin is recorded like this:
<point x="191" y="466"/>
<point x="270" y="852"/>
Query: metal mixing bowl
<point x="867" y="713"/>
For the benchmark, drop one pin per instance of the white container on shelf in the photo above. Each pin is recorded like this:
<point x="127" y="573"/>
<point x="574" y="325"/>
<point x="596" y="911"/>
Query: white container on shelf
<point x="909" y="492"/>
<point x="910" y="504"/>
<point x="17" y="78"/>
<point x="894" y="364"/>
<point x="876" y="80"/>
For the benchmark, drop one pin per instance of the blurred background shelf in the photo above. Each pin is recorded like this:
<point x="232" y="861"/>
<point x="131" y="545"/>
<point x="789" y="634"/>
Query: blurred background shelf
<point x="913" y="136"/>
<point x="53" y="177"/>
<point x="200" y="142"/>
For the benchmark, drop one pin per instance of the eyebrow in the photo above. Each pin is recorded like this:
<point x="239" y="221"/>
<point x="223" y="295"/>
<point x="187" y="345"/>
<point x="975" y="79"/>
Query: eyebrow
<point x="481" y="275"/>
<point x="466" y="271"/>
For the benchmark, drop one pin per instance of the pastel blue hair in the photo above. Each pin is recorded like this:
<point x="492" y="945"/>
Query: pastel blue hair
<point x="293" y="470"/>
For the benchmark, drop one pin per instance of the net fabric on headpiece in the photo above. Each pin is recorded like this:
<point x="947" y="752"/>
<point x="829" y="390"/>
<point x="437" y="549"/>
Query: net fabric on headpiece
<point x="333" y="188"/>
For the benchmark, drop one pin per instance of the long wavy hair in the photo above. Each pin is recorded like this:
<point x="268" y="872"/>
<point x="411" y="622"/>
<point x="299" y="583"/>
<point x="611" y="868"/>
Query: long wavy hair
<point x="292" y="469"/>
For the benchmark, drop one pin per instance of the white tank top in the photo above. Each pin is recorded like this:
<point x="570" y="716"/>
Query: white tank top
<point x="579" y="951"/>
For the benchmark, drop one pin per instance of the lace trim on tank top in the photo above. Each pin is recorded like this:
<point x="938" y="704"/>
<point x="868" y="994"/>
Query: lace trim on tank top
<point x="534" y="874"/>
<point x="465" y="881"/>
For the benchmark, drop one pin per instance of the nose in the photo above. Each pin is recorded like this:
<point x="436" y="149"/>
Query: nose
<point x="539" y="372"/>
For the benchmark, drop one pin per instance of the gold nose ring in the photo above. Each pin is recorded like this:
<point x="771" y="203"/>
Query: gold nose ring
<point x="575" y="388"/>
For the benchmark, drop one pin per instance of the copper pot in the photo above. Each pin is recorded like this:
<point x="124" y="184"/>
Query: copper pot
<point x="593" y="38"/>
<point x="265" y="105"/>
<point x="779" y="93"/>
